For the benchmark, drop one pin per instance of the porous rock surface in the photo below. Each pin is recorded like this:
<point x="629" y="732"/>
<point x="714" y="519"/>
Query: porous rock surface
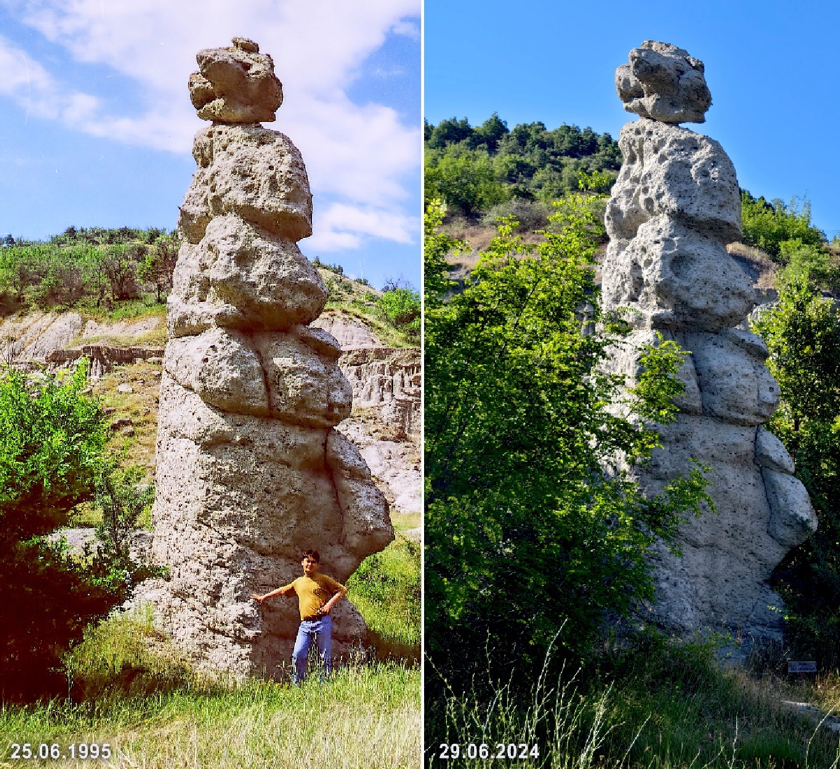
<point x="250" y="468"/>
<point x="236" y="85"/>
<point x="664" y="83"/>
<point x="673" y="210"/>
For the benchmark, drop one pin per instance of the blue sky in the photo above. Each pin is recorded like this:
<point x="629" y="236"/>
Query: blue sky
<point x="96" y="125"/>
<point x="772" y="68"/>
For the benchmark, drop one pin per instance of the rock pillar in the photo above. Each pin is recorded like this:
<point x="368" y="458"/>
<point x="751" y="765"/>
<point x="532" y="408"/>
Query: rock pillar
<point x="674" y="207"/>
<point x="250" y="470"/>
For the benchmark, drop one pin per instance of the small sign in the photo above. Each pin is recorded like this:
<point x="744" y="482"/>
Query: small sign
<point x="802" y="667"/>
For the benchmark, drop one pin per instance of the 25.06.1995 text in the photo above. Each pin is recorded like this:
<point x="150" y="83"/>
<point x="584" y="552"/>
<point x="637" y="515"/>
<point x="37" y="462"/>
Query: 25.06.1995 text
<point x="46" y="751"/>
<point x="511" y="751"/>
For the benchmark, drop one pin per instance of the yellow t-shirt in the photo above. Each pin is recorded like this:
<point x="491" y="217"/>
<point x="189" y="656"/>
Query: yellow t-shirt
<point x="314" y="592"/>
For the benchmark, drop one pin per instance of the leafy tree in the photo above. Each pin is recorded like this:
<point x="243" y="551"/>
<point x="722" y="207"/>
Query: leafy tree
<point x="437" y="245"/>
<point x="450" y="131"/>
<point x="464" y="178"/>
<point x="17" y="270"/>
<point x="803" y="337"/>
<point x="121" y="496"/>
<point x="400" y="306"/>
<point x="49" y="458"/>
<point x="121" y="264"/>
<point x="159" y="264"/>
<point x="525" y="528"/>
<point x="490" y="132"/>
<point x="768" y="225"/>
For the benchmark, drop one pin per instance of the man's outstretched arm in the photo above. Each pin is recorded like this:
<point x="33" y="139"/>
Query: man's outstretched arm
<point x="285" y="590"/>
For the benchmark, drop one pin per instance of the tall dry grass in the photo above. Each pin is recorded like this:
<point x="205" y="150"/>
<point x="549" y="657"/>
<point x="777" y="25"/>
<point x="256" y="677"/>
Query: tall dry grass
<point x="661" y="706"/>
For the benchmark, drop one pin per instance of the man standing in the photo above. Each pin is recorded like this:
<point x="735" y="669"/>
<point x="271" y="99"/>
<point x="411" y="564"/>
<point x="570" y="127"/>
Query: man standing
<point x="317" y="595"/>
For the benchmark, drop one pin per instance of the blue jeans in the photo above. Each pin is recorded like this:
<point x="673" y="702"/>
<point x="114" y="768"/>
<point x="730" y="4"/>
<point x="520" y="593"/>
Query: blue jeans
<point x="321" y="630"/>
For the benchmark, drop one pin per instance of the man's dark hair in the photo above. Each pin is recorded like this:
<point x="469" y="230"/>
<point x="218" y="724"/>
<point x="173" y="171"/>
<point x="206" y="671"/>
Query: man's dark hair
<point x="313" y="554"/>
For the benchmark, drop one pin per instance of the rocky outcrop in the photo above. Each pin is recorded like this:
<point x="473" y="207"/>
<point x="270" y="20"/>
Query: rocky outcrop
<point x="350" y="333"/>
<point x="101" y="358"/>
<point x="30" y="340"/>
<point x="54" y="341"/>
<point x="387" y="379"/>
<point x="386" y="423"/>
<point x="673" y="210"/>
<point x="250" y="470"/>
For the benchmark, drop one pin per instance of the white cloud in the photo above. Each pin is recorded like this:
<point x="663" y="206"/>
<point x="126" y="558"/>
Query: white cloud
<point x="361" y="154"/>
<point x="340" y="226"/>
<point x="35" y="90"/>
<point x="407" y="28"/>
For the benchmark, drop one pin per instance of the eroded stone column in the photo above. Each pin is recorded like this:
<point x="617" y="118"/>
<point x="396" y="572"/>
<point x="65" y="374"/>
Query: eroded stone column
<point x="250" y="470"/>
<point x="674" y="207"/>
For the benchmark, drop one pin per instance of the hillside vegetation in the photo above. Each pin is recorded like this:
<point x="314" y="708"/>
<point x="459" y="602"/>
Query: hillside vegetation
<point x="485" y="172"/>
<point x="491" y="170"/>
<point x="127" y="273"/>
<point x="533" y="557"/>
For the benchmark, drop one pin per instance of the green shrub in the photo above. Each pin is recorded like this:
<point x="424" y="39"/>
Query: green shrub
<point x="121" y="498"/>
<point x="803" y="337"/>
<point x="400" y="307"/>
<point x="49" y="458"/>
<point x="815" y="264"/>
<point x="768" y="225"/>
<point x="464" y="178"/>
<point x="125" y="656"/>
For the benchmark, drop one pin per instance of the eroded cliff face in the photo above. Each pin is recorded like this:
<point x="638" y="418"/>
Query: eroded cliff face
<point x="674" y="208"/>
<point x="384" y="423"/>
<point x="250" y="468"/>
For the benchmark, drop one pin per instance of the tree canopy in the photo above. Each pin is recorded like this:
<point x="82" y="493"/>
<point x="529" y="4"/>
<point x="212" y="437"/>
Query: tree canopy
<point x="803" y="337"/>
<point x="525" y="524"/>
<point x="474" y="168"/>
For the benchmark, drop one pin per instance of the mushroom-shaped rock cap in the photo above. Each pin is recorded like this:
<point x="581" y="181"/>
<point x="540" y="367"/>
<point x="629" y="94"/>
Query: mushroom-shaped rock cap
<point x="664" y="83"/>
<point x="235" y="85"/>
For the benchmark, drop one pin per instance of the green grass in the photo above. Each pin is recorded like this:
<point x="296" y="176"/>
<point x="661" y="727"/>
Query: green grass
<point x="662" y="706"/>
<point x="405" y="521"/>
<point x="144" y="306"/>
<point x="366" y="717"/>
<point x="386" y="591"/>
<point x="136" y="692"/>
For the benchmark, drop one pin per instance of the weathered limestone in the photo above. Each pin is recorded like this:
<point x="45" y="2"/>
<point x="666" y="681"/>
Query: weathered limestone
<point x="235" y="85"/>
<point x="674" y="208"/>
<point x="664" y="83"/>
<point x="250" y="470"/>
